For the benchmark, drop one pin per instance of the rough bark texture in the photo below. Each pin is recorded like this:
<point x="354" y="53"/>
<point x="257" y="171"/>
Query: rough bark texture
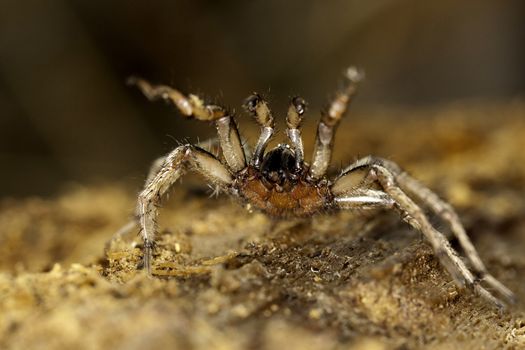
<point x="238" y="280"/>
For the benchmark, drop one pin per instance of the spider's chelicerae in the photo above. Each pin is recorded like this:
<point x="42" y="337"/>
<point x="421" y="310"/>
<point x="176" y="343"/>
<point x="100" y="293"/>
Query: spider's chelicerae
<point x="280" y="183"/>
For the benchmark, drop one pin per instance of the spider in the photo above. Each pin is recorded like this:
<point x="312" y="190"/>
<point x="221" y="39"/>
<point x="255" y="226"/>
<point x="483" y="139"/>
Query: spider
<point x="280" y="183"/>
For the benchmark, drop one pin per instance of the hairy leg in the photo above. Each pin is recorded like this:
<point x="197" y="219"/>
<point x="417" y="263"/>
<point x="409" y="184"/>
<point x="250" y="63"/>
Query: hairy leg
<point x="294" y="118"/>
<point x="133" y="223"/>
<point x="172" y="169"/>
<point x="415" y="216"/>
<point x="449" y="215"/>
<point x="193" y="106"/>
<point x="363" y="198"/>
<point x="444" y="211"/>
<point x="155" y="167"/>
<point x="330" y="120"/>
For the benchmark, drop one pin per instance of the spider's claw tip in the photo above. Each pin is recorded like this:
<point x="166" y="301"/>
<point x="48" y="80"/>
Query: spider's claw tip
<point x="354" y="74"/>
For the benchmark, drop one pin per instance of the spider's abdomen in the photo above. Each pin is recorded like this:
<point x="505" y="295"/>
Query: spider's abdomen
<point x="298" y="198"/>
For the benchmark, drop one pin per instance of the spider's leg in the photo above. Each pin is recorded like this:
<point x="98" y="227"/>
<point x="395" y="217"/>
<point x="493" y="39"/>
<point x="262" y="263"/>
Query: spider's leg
<point x="230" y="141"/>
<point x="444" y="210"/>
<point x="193" y="106"/>
<point x="330" y="120"/>
<point x="155" y="167"/>
<point x="157" y="164"/>
<point x="258" y="107"/>
<point x="293" y="122"/>
<point x="415" y="216"/>
<point x="132" y="224"/>
<point x="248" y="152"/>
<point x="174" y="166"/>
<point x="189" y="106"/>
<point x="449" y="215"/>
<point x="363" y="198"/>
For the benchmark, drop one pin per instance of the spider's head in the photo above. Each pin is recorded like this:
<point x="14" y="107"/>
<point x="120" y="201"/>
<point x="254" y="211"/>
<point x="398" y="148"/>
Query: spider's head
<point x="278" y="165"/>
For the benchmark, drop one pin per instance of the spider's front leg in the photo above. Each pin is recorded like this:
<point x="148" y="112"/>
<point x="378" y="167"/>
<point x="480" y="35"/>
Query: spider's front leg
<point x="174" y="166"/>
<point x="329" y="122"/>
<point x="193" y="106"/>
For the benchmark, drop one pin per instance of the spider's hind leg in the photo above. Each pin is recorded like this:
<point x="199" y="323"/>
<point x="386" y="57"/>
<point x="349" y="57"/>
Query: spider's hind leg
<point x="386" y="174"/>
<point x="447" y="213"/>
<point x="260" y="110"/>
<point x="415" y="216"/>
<point x="442" y="209"/>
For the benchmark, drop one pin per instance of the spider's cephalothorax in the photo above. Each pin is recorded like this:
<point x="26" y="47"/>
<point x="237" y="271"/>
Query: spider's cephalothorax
<point x="280" y="182"/>
<point x="281" y="187"/>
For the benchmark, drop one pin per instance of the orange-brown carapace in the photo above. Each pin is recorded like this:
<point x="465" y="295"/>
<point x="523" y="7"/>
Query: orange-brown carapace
<point x="281" y="189"/>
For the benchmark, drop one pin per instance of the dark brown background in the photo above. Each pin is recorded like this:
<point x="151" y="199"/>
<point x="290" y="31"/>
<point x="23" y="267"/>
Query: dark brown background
<point x="66" y="114"/>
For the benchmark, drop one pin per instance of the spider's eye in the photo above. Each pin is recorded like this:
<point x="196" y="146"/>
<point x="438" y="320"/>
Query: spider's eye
<point x="251" y="102"/>
<point x="299" y="105"/>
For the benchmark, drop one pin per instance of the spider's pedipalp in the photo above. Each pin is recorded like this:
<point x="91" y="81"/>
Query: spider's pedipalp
<point x="172" y="169"/>
<point x="296" y="111"/>
<point x="330" y="120"/>
<point x="294" y="117"/>
<point x="258" y="107"/>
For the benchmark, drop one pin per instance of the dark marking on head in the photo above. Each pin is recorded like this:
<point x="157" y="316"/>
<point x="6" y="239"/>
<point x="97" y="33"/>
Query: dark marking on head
<point x="278" y="165"/>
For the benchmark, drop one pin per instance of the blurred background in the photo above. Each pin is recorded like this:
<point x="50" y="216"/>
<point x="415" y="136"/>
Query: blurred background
<point x="66" y="114"/>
